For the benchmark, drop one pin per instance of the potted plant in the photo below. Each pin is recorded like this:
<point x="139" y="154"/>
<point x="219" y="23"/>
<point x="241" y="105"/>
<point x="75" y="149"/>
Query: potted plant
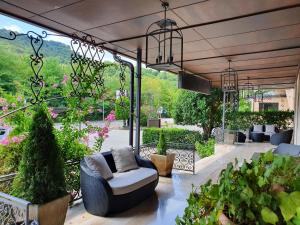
<point x="162" y="160"/>
<point x="265" y="191"/>
<point x="40" y="178"/>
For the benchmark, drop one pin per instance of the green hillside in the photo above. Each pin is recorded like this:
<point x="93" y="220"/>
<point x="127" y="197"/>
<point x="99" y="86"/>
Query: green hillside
<point x="158" y="88"/>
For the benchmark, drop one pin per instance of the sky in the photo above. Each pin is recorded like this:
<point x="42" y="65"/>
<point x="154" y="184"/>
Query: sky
<point x="23" y="27"/>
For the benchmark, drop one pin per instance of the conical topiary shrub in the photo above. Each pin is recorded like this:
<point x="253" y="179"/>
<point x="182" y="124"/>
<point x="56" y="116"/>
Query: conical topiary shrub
<point x="40" y="177"/>
<point x="162" y="146"/>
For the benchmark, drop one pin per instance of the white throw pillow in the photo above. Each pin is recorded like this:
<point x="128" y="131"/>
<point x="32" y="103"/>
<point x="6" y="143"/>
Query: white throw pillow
<point x="124" y="159"/>
<point x="270" y="128"/>
<point x="98" y="164"/>
<point x="258" y="128"/>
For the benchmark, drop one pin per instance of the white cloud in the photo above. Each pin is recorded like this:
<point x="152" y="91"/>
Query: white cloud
<point x="14" y="28"/>
<point x="56" y="38"/>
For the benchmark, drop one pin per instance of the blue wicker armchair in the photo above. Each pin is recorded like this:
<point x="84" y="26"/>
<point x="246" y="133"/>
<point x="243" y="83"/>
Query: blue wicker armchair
<point x="98" y="195"/>
<point x="284" y="137"/>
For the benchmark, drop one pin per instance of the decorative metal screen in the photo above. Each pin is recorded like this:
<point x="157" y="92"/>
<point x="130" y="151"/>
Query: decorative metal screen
<point x="86" y="61"/>
<point x="15" y="211"/>
<point x="184" y="155"/>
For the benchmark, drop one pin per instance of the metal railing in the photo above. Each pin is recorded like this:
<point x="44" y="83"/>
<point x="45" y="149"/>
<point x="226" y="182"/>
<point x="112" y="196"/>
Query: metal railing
<point x="16" y="211"/>
<point x="72" y="175"/>
<point x="184" y="154"/>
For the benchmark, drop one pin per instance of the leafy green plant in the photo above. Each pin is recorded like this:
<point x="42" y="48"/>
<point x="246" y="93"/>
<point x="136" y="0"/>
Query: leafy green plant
<point x="265" y="191"/>
<point x="198" y="109"/>
<point x="205" y="149"/>
<point x="41" y="174"/>
<point x="162" y="146"/>
<point x="172" y="135"/>
<point x="244" y="120"/>
<point x="122" y="108"/>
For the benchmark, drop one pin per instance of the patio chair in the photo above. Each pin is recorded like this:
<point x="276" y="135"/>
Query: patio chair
<point x="288" y="149"/>
<point x="284" y="137"/>
<point x="101" y="197"/>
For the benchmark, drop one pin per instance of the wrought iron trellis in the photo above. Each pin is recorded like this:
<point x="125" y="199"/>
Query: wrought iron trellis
<point x="37" y="82"/>
<point x="122" y="79"/>
<point x="87" y="77"/>
<point x="184" y="154"/>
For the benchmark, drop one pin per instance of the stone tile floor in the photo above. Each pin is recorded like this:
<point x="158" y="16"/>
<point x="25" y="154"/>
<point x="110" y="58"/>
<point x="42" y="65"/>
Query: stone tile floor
<point x="170" y="197"/>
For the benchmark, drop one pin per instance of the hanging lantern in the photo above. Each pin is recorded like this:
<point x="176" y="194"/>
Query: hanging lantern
<point x="229" y="79"/>
<point x="248" y="90"/>
<point x="164" y="44"/>
<point x="259" y="95"/>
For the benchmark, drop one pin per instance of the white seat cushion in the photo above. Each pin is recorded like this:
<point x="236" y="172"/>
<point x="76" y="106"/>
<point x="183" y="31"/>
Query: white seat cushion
<point x="257" y="128"/>
<point x="270" y="128"/>
<point x="98" y="164"/>
<point x="126" y="182"/>
<point x="124" y="159"/>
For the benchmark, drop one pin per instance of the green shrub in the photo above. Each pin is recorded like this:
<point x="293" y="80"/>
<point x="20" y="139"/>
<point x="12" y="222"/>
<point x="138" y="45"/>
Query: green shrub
<point x="162" y="146"/>
<point x="122" y="109"/>
<point x="40" y="177"/>
<point x="244" y="120"/>
<point x="205" y="149"/>
<point x="174" y="135"/>
<point x="265" y="191"/>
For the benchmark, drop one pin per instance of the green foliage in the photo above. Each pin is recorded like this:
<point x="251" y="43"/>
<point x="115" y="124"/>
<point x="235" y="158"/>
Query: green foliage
<point x="206" y="148"/>
<point x="162" y="145"/>
<point x="198" y="109"/>
<point x="173" y="135"/>
<point x="122" y="109"/>
<point x="265" y="191"/>
<point x="10" y="157"/>
<point x="244" y="120"/>
<point x="41" y="175"/>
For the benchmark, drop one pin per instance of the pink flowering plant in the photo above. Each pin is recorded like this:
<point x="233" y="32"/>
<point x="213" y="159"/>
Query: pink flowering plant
<point x="97" y="132"/>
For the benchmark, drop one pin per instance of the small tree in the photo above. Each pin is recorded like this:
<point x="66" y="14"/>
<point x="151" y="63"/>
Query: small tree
<point x="122" y="109"/>
<point x="162" y="146"/>
<point x="41" y="176"/>
<point x="198" y="109"/>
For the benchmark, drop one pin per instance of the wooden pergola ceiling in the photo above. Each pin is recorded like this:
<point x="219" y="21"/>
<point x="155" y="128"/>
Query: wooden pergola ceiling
<point x="261" y="37"/>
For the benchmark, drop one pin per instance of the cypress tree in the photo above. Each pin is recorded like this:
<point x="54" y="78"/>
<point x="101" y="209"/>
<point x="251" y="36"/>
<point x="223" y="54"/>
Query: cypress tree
<point x="162" y="146"/>
<point x="40" y="177"/>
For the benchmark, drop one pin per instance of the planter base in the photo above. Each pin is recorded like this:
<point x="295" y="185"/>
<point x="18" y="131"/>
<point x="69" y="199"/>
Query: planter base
<point x="163" y="163"/>
<point x="54" y="212"/>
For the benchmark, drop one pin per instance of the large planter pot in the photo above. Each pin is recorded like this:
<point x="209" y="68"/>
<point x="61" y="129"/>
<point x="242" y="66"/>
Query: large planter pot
<point x="54" y="212"/>
<point x="163" y="163"/>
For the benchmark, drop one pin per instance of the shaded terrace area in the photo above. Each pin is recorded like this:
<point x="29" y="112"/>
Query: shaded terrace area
<point x="259" y="39"/>
<point x="169" y="200"/>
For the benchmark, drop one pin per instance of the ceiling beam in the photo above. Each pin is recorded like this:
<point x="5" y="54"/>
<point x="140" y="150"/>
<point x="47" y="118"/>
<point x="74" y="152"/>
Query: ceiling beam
<point x="229" y="56"/>
<point x="260" y="78"/>
<point x="254" y="69"/>
<point x="213" y="22"/>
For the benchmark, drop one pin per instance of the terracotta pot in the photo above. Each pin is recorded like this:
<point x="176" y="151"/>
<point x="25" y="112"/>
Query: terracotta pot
<point x="163" y="163"/>
<point x="51" y="213"/>
<point x="224" y="220"/>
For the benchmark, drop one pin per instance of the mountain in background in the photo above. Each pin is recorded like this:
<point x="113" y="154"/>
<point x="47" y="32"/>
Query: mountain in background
<point x="21" y="45"/>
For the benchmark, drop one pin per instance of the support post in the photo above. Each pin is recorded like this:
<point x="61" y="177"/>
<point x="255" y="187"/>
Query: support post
<point x="138" y="99"/>
<point x="223" y="115"/>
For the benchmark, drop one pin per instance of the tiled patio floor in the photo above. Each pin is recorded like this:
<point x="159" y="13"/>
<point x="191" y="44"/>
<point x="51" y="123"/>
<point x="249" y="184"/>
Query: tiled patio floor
<point x="171" y="193"/>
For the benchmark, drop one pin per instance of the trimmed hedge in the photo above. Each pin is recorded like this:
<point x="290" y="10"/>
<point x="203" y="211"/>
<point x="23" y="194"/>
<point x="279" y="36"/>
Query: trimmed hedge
<point x="175" y="135"/>
<point x="244" y="120"/>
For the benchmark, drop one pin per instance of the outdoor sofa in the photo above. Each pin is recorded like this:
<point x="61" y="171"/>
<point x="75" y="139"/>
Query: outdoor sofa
<point x="125" y="190"/>
<point x="284" y="137"/>
<point x="260" y="133"/>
